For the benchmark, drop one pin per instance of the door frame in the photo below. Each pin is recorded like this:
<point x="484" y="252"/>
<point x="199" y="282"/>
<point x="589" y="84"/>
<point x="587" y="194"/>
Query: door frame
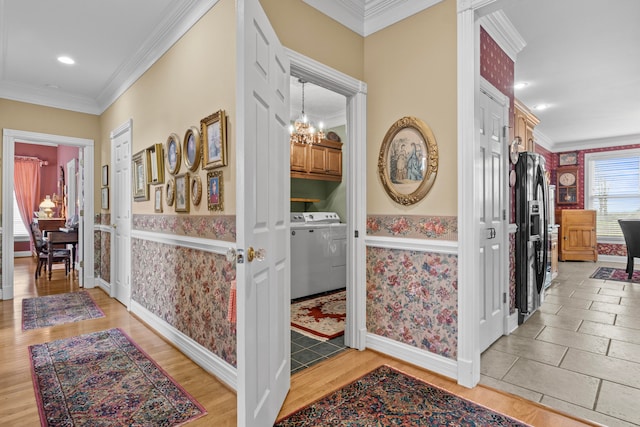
<point x="355" y="91"/>
<point x="9" y="138"/>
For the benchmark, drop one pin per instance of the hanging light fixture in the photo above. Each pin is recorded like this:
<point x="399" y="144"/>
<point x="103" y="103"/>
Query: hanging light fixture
<point x="302" y="131"/>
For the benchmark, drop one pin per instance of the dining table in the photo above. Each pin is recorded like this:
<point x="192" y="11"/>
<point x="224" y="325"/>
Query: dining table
<point x="58" y="238"/>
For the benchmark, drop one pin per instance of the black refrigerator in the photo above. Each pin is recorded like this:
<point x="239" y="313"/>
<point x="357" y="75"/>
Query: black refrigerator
<point x="532" y="236"/>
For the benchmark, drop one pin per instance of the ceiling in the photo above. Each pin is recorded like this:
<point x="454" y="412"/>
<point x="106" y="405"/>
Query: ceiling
<point x="581" y="57"/>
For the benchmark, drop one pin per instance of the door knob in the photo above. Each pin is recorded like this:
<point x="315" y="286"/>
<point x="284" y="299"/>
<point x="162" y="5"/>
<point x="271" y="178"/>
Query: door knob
<point x="258" y="255"/>
<point x="231" y="255"/>
<point x="114" y="225"/>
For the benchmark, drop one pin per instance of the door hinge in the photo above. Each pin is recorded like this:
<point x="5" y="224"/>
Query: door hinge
<point x="505" y="131"/>
<point x="82" y="264"/>
<point x="356" y="234"/>
<point x="504" y="298"/>
<point x="81" y="212"/>
<point x="504" y="214"/>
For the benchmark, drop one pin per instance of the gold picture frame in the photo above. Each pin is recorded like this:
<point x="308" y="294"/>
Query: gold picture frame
<point x="192" y="148"/>
<point x="155" y="158"/>
<point x="157" y="200"/>
<point x="139" y="171"/>
<point x="171" y="191"/>
<point x="215" y="191"/>
<point x="182" y="193"/>
<point x="408" y="161"/>
<point x="196" y="190"/>
<point x="173" y="154"/>
<point x="213" y="130"/>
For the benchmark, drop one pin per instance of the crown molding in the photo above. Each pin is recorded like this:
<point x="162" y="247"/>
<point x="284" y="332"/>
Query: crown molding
<point x="543" y="140"/>
<point x="588" y="144"/>
<point x="502" y="31"/>
<point x="349" y="13"/>
<point x="48" y="97"/>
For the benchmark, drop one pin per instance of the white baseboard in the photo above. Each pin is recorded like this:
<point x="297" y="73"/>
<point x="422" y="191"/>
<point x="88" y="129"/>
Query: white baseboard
<point x="416" y="356"/>
<point x="200" y="355"/>
<point x="22" y="254"/>
<point x="613" y="258"/>
<point x="104" y="285"/>
<point x="512" y="322"/>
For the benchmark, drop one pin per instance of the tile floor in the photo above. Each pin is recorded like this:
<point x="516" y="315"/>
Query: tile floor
<point x="306" y="351"/>
<point x="580" y="353"/>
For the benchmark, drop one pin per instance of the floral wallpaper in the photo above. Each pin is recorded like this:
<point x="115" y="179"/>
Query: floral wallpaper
<point x="612" y="249"/>
<point x="413" y="226"/>
<point x="206" y="226"/>
<point x="512" y="273"/>
<point x="189" y="289"/>
<point x="412" y="297"/>
<point x="102" y="248"/>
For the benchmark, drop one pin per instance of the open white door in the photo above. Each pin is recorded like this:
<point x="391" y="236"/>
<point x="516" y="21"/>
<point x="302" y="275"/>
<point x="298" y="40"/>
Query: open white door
<point x="121" y="213"/>
<point x="262" y="176"/>
<point x="79" y="190"/>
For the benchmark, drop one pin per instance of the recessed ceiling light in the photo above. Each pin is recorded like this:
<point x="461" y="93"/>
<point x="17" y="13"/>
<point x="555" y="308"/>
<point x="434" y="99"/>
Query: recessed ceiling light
<point x="52" y="86"/>
<point x="520" y="85"/>
<point x="540" y="107"/>
<point x="66" y="60"/>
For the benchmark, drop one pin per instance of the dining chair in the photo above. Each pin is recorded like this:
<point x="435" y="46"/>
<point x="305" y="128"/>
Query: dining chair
<point x="631" y="232"/>
<point x="42" y="253"/>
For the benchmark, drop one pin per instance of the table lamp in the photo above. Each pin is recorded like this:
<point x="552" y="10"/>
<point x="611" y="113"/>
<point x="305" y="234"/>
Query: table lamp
<point x="47" y="206"/>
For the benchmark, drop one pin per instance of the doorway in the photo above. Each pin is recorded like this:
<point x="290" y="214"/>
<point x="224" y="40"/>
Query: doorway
<point x="86" y="210"/>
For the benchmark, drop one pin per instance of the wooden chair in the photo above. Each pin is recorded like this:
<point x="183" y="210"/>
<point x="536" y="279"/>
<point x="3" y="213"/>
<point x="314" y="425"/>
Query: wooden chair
<point x="631" y="231"/>
<point x="42" y="253"/>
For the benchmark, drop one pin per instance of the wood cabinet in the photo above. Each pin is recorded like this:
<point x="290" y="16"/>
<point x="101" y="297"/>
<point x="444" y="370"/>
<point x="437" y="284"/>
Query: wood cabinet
<point x="49" y="224"/>
<point x="554" y="254"/>
<point x="524" y="123"/>
<point x="317" y="161"/>
<point x="577" y="235"/>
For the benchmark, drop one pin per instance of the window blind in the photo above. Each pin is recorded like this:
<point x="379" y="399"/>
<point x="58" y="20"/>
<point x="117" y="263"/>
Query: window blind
<point x="19" y="229"/>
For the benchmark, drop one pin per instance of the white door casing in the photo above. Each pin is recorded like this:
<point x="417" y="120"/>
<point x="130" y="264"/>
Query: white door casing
<point x="491" y="114"/>
<point x="80" y="211"/>
<point x="262" y="177"/>
<point x="121" y="142"/>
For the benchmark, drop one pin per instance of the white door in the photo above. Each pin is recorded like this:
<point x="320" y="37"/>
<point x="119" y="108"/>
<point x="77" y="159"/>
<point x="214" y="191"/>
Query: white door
<point x="121" y="213"/>
<point x="490" y="116"/>
<point x="262" y="177"/>
<point x="80" y="211"/>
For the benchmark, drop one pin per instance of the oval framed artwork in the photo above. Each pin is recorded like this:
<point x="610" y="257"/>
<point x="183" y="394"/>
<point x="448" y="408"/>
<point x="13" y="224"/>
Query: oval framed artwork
<point x="173" y="154"/>
<point x="192" y="147"/>
<point x="408" y="161"/>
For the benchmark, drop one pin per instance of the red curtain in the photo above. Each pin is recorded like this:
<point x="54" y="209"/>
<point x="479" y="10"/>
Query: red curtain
<point x="26" y="177"/>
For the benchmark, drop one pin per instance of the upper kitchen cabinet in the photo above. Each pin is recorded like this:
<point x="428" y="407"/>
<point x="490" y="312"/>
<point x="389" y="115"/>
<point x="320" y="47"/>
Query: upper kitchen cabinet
<point x="524" y="123"/>
<point x="321" y="161"/>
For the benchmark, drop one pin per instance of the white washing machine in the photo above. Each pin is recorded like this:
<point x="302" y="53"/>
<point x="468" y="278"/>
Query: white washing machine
<point x="318" y="253"/>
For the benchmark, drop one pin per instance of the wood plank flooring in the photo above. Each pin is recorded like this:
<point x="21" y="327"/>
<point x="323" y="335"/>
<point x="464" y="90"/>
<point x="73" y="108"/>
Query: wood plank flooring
<point x="17" y="399"/>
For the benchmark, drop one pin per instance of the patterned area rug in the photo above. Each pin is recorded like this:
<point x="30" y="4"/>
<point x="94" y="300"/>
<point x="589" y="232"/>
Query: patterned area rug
<point x="387" y="397"/>
<point x="321" y="317"/>
<point x="102" y="379"/>
<point x="53" y="310"/>
<point x="609" y="273"/>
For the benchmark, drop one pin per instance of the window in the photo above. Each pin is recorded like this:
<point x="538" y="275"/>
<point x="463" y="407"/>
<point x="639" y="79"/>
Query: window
<point x="20" y="232"/>
<point x="612" y="188"/>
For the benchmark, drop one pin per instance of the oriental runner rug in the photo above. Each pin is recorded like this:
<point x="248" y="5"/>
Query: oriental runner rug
<point x="320" y="317"/>
<point x="618" y="274"/>
<point x="104" y="378"/>
<point x="54" y="310"/>
<point x="387" y="397"/>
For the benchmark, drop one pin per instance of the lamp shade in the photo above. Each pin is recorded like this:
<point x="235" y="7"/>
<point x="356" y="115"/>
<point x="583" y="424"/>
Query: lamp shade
<point x="47" y="203"/>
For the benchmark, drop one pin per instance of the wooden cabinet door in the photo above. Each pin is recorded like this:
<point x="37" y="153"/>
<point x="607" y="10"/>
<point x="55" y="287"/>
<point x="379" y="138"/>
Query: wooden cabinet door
<point x="334" y="162"/>
<point x="318" y="162"/>
<point x="299" y="157"/>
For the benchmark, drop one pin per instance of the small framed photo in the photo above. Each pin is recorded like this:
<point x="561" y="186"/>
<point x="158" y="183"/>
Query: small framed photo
<point x="104" y="193"/>
<point x="173" y="154"/>
<point x="196" y="190"/>
<point x="214" y="135"/>
<point x="140" y="185"/>
<point x="154" y="160"/>
<point x="157" y="201"/>
<point x="182" y="193"/>
<point x="171" y="191"/>
<point x="192" y="147"/>
<point x="105" y="175"/>
<point x="568" y="159"/>
<point x="214" y="191"/>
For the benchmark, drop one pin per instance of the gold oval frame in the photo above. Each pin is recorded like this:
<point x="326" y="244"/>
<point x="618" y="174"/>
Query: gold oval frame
<point x="403" y="184"/>
<point x="196" y="190"/>
<point x="194" y="132"/>
<point x="173" y="140"/>
<point x="171" y="191"/>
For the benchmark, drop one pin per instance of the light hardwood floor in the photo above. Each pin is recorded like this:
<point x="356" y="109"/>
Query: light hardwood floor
<point x="17" y="399"/>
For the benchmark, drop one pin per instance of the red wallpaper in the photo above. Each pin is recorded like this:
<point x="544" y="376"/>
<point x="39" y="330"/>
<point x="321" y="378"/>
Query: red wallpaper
<point x="48" y="174"/>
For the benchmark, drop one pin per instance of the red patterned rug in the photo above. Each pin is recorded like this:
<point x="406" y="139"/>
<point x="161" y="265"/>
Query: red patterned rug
<point x="321" y="317"/>
<point x="104" y="378"/>
<point x="387" y="397"/>
<point x="618" y="274"/>
<point x="54" y="310"/>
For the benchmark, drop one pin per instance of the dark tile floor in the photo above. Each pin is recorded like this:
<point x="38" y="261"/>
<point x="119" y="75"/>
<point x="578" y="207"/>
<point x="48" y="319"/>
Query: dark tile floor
<point x="306" y="351"/>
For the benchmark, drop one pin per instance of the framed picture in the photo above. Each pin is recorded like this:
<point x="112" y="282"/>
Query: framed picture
<point x="140" y="185"/>
<point x="104" y="193"/>
<point x="173" y="154"/>
<point x="568" y="159"/>
<point x="171" y="191"/>
<point x="182" y="193"/>
<point x="408" y="161"/>
<point x="191" y="147"/>
<point x="214" y="134"/>
<point x="214" y="191"/>
<point x="154" y="160"/>
<point x="157" y="201"/>
<point x="105" y="175"/>
<point x="196" y="190"/>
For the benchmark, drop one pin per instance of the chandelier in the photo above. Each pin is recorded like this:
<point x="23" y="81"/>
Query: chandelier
<point x="302" y="131"/>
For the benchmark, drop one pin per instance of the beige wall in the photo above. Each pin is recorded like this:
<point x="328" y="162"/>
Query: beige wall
<point x="194" y="79"/>
<point x="305" y="30"/>
<point x="36" y="118"/>
<point x="410" y="70"/>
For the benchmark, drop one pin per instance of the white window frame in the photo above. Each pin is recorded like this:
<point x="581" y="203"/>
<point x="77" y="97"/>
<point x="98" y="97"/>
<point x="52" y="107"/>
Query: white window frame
<point x="588" y="173"/>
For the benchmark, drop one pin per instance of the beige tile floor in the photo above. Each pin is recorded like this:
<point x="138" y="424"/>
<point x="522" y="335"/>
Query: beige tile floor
<point x="580" y="353"/>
